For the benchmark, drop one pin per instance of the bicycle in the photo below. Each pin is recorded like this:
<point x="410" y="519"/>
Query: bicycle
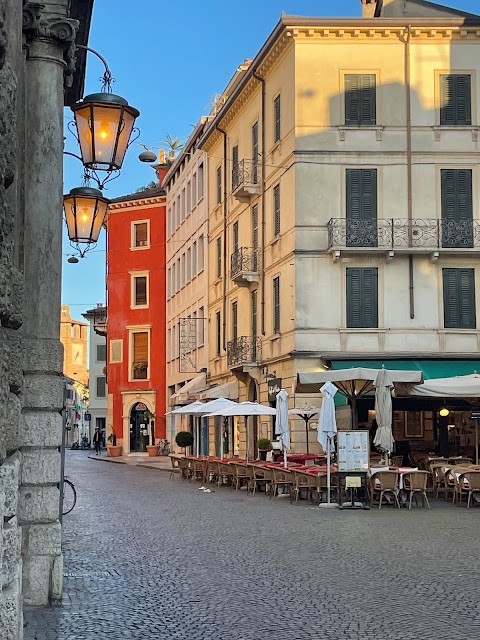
<point x="164" y="448"/>
<point x="69" y="496"/>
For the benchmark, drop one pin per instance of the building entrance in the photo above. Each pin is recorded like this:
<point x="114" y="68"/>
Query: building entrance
<point x="138" y="427"/>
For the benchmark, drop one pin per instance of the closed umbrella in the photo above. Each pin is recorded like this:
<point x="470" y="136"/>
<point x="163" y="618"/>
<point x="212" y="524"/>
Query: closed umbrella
<point x="281" y="423"/>
<point x="383" y="412"/>
<point x="327" y="427"/>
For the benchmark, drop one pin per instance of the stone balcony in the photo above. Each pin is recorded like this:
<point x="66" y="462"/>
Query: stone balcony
<point x="245" y="266"/>
<point x="244" y="351"/>
<point x="246" y="180"/>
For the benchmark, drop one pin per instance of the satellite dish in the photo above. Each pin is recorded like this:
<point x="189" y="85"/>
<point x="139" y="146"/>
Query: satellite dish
<point x="73" y="260"/>
<point x="147" y="156"/>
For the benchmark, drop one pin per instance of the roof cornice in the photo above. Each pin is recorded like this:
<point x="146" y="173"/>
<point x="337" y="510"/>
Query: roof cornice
<point x="126" y="204"/>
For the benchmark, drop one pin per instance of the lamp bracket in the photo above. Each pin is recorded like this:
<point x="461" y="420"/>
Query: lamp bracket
<point x="107" y="78"/>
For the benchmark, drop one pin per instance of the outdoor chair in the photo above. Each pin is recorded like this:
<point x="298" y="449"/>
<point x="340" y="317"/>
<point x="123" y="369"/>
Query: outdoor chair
<point x="281" y="478"/>
<point x="197" y="471"/>
<point x="224" y="474"/>
<point x="397" y="461"/>
<point x="384" y="484"/>
<point x="438" y="478"/>
<point x="175" y="462"/>
<point x="467" y="483"/>
<point x="460" y="461"/>
<point x="261" y="477"/>
<point x="303" y="481"/>
<point x="241" y="476"/>
<point x="414" y="483"/>
<point x="212" y="471"/>
<point x="184" y="465"/>
<point x="322" y="486"/>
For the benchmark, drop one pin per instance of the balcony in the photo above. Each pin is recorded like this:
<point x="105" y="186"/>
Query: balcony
<point x="245" y="351"/>
<point x="421" y="235"/>
<point x="246" y="180"/>
<point x="100" y="321"/>
<point x="244" y="266"/>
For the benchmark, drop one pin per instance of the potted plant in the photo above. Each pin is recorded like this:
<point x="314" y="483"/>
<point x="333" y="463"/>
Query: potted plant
<point x="264" y="445"/>
<point x="184" y="439"/>
<point x="152" y="448"/>
<point x="113" y="450"/>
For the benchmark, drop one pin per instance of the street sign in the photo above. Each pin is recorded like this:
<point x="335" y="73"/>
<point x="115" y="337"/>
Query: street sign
<point x="87" y="416"/>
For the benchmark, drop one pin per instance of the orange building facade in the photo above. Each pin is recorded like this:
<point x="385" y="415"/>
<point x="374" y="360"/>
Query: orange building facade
<point x="136" y="318"/>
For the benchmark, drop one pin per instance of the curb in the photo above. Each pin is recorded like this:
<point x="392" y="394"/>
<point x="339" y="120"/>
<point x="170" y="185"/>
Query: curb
<point x="101" y="459"/>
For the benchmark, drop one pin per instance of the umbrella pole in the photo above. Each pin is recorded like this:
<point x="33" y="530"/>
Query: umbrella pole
<point x="328" y="471"/>
<point x="284" y="455"/>
<point x="246" y="436"/>
<point x="476" y="442"/>
<point x="306" y="432"/>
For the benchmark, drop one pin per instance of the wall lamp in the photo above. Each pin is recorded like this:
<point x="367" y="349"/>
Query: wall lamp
<point x="103" y="127"/>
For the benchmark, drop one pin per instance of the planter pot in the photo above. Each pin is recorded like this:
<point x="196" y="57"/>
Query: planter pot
<point x="263" y="454"/>
<point x="114" y="451"/>
<point x="153" y="450"/>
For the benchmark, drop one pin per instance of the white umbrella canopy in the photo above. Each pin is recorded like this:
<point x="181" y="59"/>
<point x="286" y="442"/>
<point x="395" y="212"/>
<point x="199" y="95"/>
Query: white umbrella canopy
<point x="187" y="410"/>
<point x="245" y="409"/>
<point x="383" y="411"/>
<point x="281" y="422"/>
<point x="455" y="387"/>
<point x="213" y="405"/>
<point x="306" y="413"/>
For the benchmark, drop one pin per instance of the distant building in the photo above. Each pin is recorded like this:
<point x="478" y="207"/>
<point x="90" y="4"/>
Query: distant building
<point x="74" y="337"/>
<point x="97" y="360"/>
<point x="136" y="317"/>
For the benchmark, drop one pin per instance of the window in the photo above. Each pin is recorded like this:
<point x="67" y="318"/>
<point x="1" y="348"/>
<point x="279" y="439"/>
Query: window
<point x="218" y="328"/>
<point x="101" y="387"/>
<point x="169" y="345"/>
<point x="189" y="197"/>
<point x="201" y="249"/>
<point x="456" y="99"/>
<point x="457" y="208"/>
<point x="459" y="298"/>
<point x="140" y="355"/>
<point x="276" y="210"/>
<point x="174" y="342"/>
<point x="201" y="328"/>
<point x="140" y="234"/>
<point x="234" y="320"/>
<point x="169" y="283"/>
<point x="194" y="189"/>
<point x="194" y="258"/>
<point x="169" y="222"/>
<point x="182" y="270"/>
<point x="183" y="206"/>
<point x="362" y="298"/>
<point x="361" y="210"/>
<point x="360" y="100"/>
<point x="116" y="351"/>
<point x="276" y="119"/>
<point x="219" y="184"/>
<point x="200" y="181"/>
<point x="179" y="209"/>
<point x="189" y="265"/>
<point x="235" y="167"/>
<point x="255" y="236"/>
<point x="174" y="279"/>
<point x="254" y="313"/>
<point x="276" y="305"/>
<point x="140" y="291"/>
<point x="219" y="257"/>
<point x="255" y="153"/>
<point x="235" y="237"/>
<point x="101" y="352"/>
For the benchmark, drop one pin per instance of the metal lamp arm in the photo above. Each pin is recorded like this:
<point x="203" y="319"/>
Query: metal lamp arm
<point x="107" y="76"/>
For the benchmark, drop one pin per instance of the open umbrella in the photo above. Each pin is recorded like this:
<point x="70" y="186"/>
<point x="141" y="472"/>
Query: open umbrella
<point x="327" y="427"/>
<point x="306" y="413"/>
<point x="215" y="405"/>
<point x="383" y="412"/>
<point x="187" y="410"/>
<point x="281" y="423"/>
<point x="246" y="409"/>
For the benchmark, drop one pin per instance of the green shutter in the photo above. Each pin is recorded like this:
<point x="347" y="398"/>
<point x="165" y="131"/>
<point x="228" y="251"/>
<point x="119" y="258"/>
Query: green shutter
<point x="276" y="210"/>
<point x="362" y="298"/>
<point x="255" y="153"/>
<point x="276" y="305"/>
<point x="277" y="110"/>
<point x="457" y="208"/>
<point x="456" y="100"/>
<point x="235" y="237"/>
<point x="361" y="223"/>
<point x="459" y="299"/>
<point x="360" y="100"/>
<point x="234" y="321"/>
<point x="235" y="167"/>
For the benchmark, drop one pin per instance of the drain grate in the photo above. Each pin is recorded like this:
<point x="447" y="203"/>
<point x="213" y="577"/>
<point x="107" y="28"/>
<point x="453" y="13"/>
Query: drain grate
<point x="88" y="574"/>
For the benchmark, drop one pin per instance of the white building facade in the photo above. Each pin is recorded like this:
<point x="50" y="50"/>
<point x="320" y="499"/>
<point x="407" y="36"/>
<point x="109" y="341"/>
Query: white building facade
<point x="97" y="355"/>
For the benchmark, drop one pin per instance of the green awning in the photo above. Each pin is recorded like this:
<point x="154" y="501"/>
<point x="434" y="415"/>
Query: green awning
<point x="431" y="368"/>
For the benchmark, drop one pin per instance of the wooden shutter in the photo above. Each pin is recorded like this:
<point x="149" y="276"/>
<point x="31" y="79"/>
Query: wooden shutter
<point x="362" y="298"/>
<point x="140" y="347"/>
<point x="219" y="184"/>
<point x="254" y="314"/>
<point x="361" y="210"/>
<point x="235" y="237"/>
<point x="218" y="327"/>
<point x="141" y="239"/>
<point x="277" y="115"/>
<point x="360" y="100"/>
<point x="255" y="236"/>
<point x="276" y="305"/>
<point x="219" y="257"/>
<point x="101" y="352"/>
<point x="101" y="387"/>
<point x="276" y="210"/>
<point x="459" y="298"/>
<point x="255" y="153"/>
<point x="457" y="208"/>
<point x="235" y="167"/>
<point x="456" y="100"/>
<point x="234" y="320"/>
<point x="140" y="290"/>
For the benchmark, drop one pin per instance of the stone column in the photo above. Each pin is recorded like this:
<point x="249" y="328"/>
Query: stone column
<point x="48" y="35"/>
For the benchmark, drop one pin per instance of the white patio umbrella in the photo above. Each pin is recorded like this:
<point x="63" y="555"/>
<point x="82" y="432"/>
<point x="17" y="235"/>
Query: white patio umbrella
<point x="187" y="410"/>
<point x="383" y="412"/>
<point x="215" y="405"/>
<point x="281" y="423"/>
<point x="327" y="427"/>
<point x="246" y="409"/>
<point x="306" y="413"/>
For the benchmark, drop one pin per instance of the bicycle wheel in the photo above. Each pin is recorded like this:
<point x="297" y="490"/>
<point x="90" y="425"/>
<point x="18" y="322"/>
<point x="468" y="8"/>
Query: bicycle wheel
<point x="69" y="497"/>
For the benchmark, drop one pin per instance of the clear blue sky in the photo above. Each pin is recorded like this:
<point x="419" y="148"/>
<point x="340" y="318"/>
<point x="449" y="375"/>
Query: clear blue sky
<point x="168" y="59"/>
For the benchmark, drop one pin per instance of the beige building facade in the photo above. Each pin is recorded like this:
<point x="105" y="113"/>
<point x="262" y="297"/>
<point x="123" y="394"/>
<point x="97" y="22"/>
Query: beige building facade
<point x="74" y="337"/>
<point x="343" y="202"/>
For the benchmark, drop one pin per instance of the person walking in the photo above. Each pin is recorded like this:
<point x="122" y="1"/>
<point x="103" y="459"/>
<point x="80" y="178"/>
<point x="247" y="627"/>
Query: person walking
<point x="97" y="440"/>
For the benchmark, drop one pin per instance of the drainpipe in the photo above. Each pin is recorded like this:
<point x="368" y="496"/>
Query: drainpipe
<point x="407" y="38"/>
<point x="262" y="246"/>
<point x="225" y="210"/>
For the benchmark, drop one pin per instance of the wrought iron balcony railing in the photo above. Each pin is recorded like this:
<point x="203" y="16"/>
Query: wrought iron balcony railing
<point x="246" y="179"/>
<point x="100" y="321"/>
<point x="399" y="233"/>
<point x="245" y="350"/>
<point x="244" y="265"/>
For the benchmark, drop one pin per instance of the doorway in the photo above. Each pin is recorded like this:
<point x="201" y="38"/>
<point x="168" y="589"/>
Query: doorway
<point x="138" y="427"/>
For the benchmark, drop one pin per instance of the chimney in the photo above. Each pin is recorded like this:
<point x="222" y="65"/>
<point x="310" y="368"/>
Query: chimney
<point x="372" y="8"/>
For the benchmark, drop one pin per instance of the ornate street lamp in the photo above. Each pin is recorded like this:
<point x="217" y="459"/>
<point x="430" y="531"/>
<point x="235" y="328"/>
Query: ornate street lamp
<point x="85" y="211"/>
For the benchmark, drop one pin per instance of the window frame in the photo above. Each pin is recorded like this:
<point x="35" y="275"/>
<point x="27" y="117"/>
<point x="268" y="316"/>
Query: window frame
<point x="471" y="288"/>
<point x="111" y="344"/>
<point x="133" y="277"/>
<point x="97" y="378"/>
<point x="104" y="345"/>
<point x="347" y="118"/>
<point x="469" y="106"/>
<point x="277" y="210"/>
<point x="277" y="118"/>
<point x="131" y="331"/>
<point x="276" y="305"/>
<point x="133" y="225"/>
<point x="348" y="297"/>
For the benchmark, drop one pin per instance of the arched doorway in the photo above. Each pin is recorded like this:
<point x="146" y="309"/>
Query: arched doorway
<point x="138" y="427"/>
<point x="253" y="427"/>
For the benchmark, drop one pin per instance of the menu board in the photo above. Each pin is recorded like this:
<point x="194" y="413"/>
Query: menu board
<point x="353" y="450"/>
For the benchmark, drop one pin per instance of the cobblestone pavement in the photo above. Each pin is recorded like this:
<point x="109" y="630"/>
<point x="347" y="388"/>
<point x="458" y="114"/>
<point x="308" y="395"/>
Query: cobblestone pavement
<point x="149" y="557"/>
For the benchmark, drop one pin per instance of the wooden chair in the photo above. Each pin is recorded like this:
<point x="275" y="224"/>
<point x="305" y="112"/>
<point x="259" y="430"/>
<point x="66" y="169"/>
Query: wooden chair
<point x="281" y="478"/>
<point x="467" y="483"/>
<point x="224" y="474"/>
<point x="303" y="481"/>
<point x="414" y="483"/>
<point x="175" y="462"/>
<point x="261" y="477"/>
<point x="460" y="461"/>
<point x="241" y="476"/>
<point x="184" y="465"/>
<point x="197" y="471"/>
<point x="438" y="478"/>
<point x="384" y="483"/>
<point x="397" y="461"/>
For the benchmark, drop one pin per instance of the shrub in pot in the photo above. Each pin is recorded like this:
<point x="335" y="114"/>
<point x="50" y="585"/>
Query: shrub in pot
<point x="264" y="445"/>
<point x="152" y="448"/>
<point x="184" y="439"/>
<point x="113" y="450"/>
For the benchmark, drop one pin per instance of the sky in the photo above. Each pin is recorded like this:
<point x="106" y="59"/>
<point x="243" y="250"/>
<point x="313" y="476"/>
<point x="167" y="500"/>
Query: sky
<point x="168" y="60"/>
